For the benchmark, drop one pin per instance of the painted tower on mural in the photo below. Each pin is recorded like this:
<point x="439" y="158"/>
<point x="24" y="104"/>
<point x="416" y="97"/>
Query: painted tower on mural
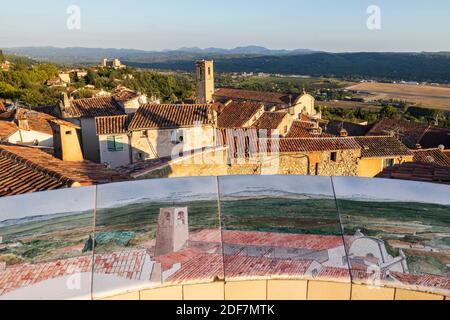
<point x="204" y="74"/>
<point x="173" y="230"/>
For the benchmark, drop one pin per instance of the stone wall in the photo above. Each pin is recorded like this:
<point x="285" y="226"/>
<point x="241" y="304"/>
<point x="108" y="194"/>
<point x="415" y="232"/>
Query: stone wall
<point x="215" y="164"/>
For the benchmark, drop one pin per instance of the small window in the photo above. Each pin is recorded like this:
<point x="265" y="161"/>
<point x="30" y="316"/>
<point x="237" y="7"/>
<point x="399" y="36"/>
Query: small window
<point x="68" y="133"/>
<point x="209" y="71"/>
<point x="115" y="144"/>
<point x="388" y="163"/>
<point x="144" y="134"/>
<point x="285" y="129"/>
<point x="177" y="136"/>
<point x="333" y="156"/>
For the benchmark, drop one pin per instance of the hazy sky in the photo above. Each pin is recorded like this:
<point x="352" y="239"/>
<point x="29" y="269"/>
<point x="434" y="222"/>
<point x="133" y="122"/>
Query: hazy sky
<point x="331" y="25"/>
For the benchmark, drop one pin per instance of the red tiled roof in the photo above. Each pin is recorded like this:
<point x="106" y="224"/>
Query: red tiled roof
<point x="113" y="124"/>
<point x="285" y="240"/>
<point x="126" y="264"/>
<point x="236" y="114"/>
<point x="303" y="129"/>
<point x="434" y="156"/>
<point x="94" y="107"/>
<point x="249" y="95"/>
<point x="270" y="120"/>
<point x="203" y="268"/>
<point x="311" y="144"/>
<point x="24" y="169"/>
<point x="423" y="280"/>
<point x="168" y="260"/>
<point x="426" y="172"/>
<point x="434" y="137"/>
<point x="239" y="267"/>
<point x="35" y="121"/>
<point x="151" y="116"/>
<point x="123" y="94"/>
<point x="376" y="147"/>
<point x="7" y="129"/>
<point x="410" y="133"/>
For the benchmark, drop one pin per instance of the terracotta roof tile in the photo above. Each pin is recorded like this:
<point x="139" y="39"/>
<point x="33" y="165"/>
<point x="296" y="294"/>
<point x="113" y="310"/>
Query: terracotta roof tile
<point x="285" y="240"/>
<point x="334" y="127"/>
<point x="376" y="147"/>
<point x="410" y="133"/>
<point x="270" y="120"/>
<point x="313" y="144"/>
<point x="434" y="137"/>
<point x="126" y="264"/>
<point x="434" y="156"/>
<point x="94" y="107"/>
<point x="304" y="129"/>
<point x="7" y="129"/>
<point x="425" y="172"/>
<point x="24" y="169"/>
<point x="237" y="114"/>
<point x="151" y="116"/>
<point x="124" y="94"/>
<point x="249" y="95"/>
<point x="113" y="124"/>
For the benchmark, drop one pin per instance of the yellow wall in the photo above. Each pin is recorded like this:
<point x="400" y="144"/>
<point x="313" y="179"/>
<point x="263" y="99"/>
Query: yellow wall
<point x="276" y="290"/>
<point x="370" y="167"/>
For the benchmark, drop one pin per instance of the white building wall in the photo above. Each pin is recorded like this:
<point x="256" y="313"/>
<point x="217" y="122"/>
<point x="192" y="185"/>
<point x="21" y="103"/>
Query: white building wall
<point x="159" y="143"/>
<point x="114" y="158"/>
<point x="23" y="136"/>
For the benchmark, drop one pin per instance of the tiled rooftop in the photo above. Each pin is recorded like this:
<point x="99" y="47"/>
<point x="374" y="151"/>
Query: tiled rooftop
<point x="270" y="120"/>
<point x="381" y="147"/>
<point x="237" y="114"/>
<point x="94" y="107"/>
<point x="7" y="129"/>
<point x="313" y="144"/>
<point x="334" y="127"/>
<point x="305" y="129"/>
<point x="410" y="133"/>
<point x="433" y="156"/>
<point x="113" y="124"/>
<point x="150" y="116"/>
<point x="35" y="121"/>
<point x="426" y="172"/>
<point x="25" y="169"/>
<point x="249" y="95"/>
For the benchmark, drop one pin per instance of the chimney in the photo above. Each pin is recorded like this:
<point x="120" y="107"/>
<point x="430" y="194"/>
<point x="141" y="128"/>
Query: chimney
<point x="65" y="101"/>
<point x="66" y="145"/>
<point x="343" y="133"/>
<point x="2" y="266"/>
<point x="22" y="123"/>
<point x="173" y="230"/>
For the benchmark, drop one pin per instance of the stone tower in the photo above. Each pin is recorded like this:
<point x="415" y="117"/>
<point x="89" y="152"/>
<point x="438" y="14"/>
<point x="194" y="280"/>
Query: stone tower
<point x="173" y="230"/>
<point x="204" y="76"/>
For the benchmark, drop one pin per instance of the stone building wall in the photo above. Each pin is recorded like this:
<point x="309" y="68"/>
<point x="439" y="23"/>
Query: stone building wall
<point x="215" y="164"/>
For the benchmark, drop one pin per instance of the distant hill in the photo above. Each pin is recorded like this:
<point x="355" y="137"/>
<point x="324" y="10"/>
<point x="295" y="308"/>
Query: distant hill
<point x="425" y="66"/>
<point x="76" y="55"/>
<point x="430" y="67"/>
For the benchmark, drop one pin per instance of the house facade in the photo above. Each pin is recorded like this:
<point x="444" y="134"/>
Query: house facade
<point x="155" y="131"/>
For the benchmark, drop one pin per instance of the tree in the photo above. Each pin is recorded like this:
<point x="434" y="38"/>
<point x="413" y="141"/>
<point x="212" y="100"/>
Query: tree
<point x="388" y="112"/>
<point x="2" y="57"/>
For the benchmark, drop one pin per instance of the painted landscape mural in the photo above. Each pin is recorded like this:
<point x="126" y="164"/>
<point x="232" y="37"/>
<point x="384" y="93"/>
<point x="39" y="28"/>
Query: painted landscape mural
<point x="410" y="224"/>
<point x="95" y="242"/>
<point x="46" y="245"/>
<point x="156" y="232"/>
